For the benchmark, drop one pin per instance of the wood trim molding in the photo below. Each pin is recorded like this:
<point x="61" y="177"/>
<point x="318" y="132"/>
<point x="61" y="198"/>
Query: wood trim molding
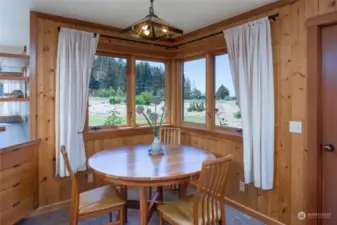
<point x="49" y="208"/>
<point x="131" y="89"/>
<point x="252" y="213"/>
<point x="74" y="21"/>
<point x="322" y="20"/>
<point x="95" y="27"/>
<point x="32" y="75"/>
<point x="168" y="84"/>
<point x="219" y="26"/>
<point x="113" y="133"/>
<point x="314" y="124"/>
<point x="210" y="86"/>
<point x="212" y="134"/>
<point x="314" y="113"/>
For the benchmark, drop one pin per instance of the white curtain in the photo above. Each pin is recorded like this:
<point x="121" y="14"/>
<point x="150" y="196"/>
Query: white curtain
<point x="250" y="52"/>
<point x="76" y="52"/>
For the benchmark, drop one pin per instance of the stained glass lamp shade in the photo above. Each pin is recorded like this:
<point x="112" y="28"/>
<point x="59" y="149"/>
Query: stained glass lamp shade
<point x="152" y="28"/>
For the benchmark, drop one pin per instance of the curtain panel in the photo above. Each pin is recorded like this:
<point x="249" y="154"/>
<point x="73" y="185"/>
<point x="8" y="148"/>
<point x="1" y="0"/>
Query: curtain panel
<point x="250" y="52"/>
<point x="76" y="52"/>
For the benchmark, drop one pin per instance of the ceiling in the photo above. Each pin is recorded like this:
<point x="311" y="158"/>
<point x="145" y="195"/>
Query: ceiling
<point x="188" y="15"/>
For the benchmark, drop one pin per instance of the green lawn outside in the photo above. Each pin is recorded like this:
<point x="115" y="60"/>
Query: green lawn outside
<point x="98" y="120"/>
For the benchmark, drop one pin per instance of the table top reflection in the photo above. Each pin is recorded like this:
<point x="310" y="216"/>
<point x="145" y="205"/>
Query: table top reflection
<point x="133" y="163"/>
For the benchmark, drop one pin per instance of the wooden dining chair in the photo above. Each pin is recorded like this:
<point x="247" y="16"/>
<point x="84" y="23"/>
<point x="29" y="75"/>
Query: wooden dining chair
<point x="206" y="206"/>
<point x="172" y="136"/>
<point x="95" y="202"/>
<point x="169" y="135"/>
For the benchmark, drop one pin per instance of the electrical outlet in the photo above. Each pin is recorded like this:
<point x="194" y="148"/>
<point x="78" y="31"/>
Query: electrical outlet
<point x="90" y="178"/>
<point x="295" y="127"/>
<point x="242" y="186"/>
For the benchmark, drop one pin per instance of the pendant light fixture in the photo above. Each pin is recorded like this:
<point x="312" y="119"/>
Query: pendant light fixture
<point x="152" y="28"/>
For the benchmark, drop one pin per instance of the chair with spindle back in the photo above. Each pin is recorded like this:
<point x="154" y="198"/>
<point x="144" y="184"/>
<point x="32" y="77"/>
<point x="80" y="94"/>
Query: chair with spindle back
<point x="95" y="202"/>
<point x="206" y="206"/>
<point x="168" y="136"/>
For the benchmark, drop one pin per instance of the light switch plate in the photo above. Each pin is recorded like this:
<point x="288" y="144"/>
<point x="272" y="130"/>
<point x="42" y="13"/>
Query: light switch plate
<point x="242" y="186"/>
<point x="90" y="178"/>
<point x="295" y="127"/>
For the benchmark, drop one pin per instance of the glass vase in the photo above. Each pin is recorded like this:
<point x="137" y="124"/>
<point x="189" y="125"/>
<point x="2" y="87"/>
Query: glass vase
<point x="156" y="147"/>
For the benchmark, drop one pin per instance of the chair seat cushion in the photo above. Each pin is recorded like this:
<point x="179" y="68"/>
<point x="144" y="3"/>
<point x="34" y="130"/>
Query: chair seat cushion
<point x="181" y="212"/>
<point x="99" y="199"/>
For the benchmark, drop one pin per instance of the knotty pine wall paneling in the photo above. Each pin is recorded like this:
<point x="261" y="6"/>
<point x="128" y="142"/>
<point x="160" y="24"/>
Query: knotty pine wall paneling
<point x="289" y="50"/>
<point x="288" y="196"/>
<point x="53" y="190"/>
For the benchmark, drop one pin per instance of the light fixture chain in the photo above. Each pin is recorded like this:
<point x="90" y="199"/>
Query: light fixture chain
<point x="151" y="11"/>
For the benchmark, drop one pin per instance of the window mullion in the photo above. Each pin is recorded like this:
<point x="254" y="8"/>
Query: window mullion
<point x="131" y="89"/>
<point x="168" y="88"/>
<point x="210" y="85"/>
<point x="179" y="92"/>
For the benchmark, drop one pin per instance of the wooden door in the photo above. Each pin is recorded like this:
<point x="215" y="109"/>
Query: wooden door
<point x="329" y="125"/>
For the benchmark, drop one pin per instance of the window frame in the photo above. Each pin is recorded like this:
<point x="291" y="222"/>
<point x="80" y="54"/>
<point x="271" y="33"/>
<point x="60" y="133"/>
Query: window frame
<point x="105" y="127"/>
<point x="181" y="87"/>
<point x="167" y="85"/>
<point x="217" y="127"/>
<point x="131" y="92"/>
<point x="210" y="124"/>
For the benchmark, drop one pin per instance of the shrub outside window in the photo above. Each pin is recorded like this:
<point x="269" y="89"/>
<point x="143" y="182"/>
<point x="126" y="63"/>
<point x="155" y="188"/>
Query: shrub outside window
<point x="194" y="91"/>
<point x="108" y="92"/>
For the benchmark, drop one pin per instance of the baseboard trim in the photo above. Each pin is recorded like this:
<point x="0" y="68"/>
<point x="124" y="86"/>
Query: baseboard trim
<point x="49" y="208"/>
<point x="252" y="213"/>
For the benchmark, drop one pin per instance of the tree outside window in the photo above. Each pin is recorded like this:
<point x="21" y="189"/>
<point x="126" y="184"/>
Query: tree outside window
<point x="194" y="97"/>
<point x="226" y="106"/>
<point x="108" y="92"/>
<point x="150" y="85"/>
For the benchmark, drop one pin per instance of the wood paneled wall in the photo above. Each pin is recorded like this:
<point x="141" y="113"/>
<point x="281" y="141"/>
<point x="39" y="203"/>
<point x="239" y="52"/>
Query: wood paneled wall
<point x="51" y="189"/>
<point x="289" y="50"/>
<point x="289" y="195"/>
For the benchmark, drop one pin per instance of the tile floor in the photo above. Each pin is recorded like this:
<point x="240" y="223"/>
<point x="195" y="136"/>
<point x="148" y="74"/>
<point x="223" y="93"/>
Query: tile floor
<point x="61" y="217"/>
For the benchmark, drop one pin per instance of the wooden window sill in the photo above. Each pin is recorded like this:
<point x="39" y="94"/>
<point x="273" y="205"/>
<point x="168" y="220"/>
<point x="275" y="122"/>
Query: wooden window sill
<point x="117" y="132"/>
<point x="217" y="133"/>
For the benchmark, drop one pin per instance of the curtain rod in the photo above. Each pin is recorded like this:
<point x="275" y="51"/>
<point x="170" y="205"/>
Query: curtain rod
<point x="272" y="17"/>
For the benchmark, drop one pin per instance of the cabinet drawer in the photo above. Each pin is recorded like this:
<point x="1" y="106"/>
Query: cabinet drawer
<point x="17" y="212"/>
<point x="16" y="193"/>
<point x="15" y="157"/>
<point x="16" y="174"/>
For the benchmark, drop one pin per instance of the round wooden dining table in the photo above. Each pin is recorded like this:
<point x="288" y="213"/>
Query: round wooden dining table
<point x="133" y="166"/>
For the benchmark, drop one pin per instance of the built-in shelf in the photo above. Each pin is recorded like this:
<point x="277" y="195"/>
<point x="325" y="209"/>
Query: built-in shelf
<point x="12" y="77"/>
<point x="14" y="99"/>
<point x="15" y="56"/>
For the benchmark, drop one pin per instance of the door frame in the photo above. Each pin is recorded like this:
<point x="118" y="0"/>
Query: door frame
<point x="314" y="112"/>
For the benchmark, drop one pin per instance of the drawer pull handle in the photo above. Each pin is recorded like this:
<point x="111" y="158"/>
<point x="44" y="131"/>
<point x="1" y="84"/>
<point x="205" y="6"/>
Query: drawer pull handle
<point x="15" y="185"/>
<point x="16" y="204"/>
<point x="17" y="149"/>
<point x="17" y="165"/>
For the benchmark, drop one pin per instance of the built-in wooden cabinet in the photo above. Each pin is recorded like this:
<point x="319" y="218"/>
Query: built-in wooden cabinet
<point x="18" y="182"/>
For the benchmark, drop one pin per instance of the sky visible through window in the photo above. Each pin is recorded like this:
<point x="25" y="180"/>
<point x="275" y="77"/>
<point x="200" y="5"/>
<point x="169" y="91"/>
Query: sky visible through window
<point x="223" y="74"/>
<point x="195" y="70"/>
